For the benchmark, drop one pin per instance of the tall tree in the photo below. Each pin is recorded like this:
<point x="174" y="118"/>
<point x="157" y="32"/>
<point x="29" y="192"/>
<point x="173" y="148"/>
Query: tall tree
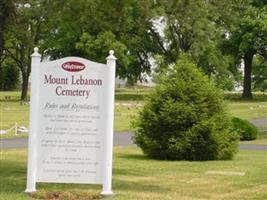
<point x="82" y="28"/>
<point x="190" y="27"/>
<point x="247" y="37"/>
<point x="24" y="34"/>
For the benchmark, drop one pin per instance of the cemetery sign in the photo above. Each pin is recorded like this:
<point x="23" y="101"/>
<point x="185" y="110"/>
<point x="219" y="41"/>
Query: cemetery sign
<point x="71" y="122"/>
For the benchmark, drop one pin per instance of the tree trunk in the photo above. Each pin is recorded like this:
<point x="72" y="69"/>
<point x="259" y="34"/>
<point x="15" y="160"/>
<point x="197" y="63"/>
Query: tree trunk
<point x="24" y="87"/>
<point x="248" y="58"/>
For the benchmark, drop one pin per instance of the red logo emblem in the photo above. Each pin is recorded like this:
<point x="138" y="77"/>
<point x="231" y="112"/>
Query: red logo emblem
<point x="73" y="66"/>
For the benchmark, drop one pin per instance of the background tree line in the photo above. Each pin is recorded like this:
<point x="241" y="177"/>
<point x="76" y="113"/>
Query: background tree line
<point x="216" y="35"/>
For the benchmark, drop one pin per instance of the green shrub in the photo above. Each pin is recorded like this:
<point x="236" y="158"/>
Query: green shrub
<point x="245" y="129"/>
<point x="184" y="118"/>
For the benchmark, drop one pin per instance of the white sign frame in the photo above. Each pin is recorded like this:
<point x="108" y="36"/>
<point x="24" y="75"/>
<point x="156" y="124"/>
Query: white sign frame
<point x="34" y="112"/>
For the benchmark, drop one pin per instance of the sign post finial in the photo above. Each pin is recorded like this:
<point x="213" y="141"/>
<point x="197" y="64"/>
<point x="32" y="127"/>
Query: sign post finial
<point x="36" y="52"/>
<point x="111" y="55"/>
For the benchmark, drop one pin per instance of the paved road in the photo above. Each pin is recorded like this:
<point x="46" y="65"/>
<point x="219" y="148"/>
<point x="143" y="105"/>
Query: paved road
<point x="256" y="147"/>
<point x="120" y="139"/>
<point x="259" y="122"/>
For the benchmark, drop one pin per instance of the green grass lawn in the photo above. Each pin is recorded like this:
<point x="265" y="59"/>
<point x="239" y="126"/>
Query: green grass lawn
<point x="10" y="96"/>
<point x="131" y="94"/>
<point x="128" y="102"/>
<point x="12" y="112"/>
<point x="136" y="177"/>
<point x="250" y="110"/>
<point x="247" y="109"/>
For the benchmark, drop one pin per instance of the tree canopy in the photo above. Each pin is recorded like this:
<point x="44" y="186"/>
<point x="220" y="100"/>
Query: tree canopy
<point x="216" y="35"/>
<point x="195" y="27"/>
<point x="25" y="32"/>
<point x="7" y="10"/>
<point x="91" y="28"/>
<point x="247" y="37"/>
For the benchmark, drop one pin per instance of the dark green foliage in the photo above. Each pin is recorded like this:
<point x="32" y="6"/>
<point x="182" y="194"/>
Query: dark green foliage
<point x="194" y="27"/>
<point x="91" y="28"/>
<point x="259" y="73"/>
<point x="184" y="118"/>
<point x="245" y="129"/>
<point x="9" y="76"/>
<point x="7" y="10"/>
<point x="247" y="37"/>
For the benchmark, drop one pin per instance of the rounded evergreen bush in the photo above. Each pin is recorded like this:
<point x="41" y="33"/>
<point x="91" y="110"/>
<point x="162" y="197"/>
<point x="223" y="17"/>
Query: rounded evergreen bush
<point x="245" y="129"/>
<point x="184" y="118"/>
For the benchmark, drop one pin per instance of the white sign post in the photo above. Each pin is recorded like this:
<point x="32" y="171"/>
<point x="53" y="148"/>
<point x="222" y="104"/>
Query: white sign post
<point x="32" y="146"/>
<point x="71" y="122"/>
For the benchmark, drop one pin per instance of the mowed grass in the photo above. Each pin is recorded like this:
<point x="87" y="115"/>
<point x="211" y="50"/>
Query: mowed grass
<point x="12" y="112"/>
<point x="137" y="177"/>
<point x="247" y="109"/>
<point x="250" y="110"/>
<point x="128" y="103"/>
<point x="131" y="94"/>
